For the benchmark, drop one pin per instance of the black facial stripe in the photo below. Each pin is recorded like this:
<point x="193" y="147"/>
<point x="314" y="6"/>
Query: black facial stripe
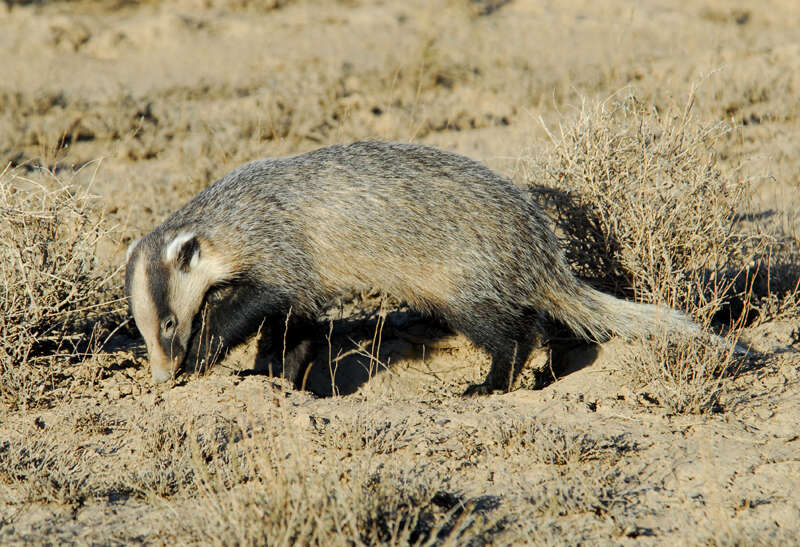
<point x="158" y="276"/>
<point x="158" y="284"/>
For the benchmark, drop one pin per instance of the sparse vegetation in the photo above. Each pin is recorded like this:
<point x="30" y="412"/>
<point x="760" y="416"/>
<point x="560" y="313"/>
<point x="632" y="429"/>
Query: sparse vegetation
<point x="662" y="190"/>
<point x="644" y="207"/>
<point x="646" y="211"/>
<point x="55" y="291"/>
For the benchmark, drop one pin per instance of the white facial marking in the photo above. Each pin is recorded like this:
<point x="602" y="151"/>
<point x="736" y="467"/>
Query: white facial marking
<point x="185" y="293"/>
<point x="144" y="310"/>
<point x="146" y="317"/>
<point x="131" y="247"/>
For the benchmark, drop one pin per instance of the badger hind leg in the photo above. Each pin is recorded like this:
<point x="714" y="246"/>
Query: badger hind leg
<point x="509" y="338"/>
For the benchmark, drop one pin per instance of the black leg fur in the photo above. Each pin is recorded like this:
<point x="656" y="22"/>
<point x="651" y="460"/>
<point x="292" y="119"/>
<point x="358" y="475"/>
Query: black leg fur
<point x="287" y="346"/>
<point x="229" y="316"/>
<point x="509" y="340"/>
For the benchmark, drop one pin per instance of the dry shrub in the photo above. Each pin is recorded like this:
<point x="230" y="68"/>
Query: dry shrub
<point x="681" y="374"/>
<point x="271" y="489"/>
<point x="43" y="470"/>
<point x="364" y="432"/>
<point x="258" y="6"/>
<point x="646" y="213"/>
<point x="550" y="444"/>
<point x="67" y="457"/>
<point x="577" y="491"/>
<point x="43" y="462"/>
<point x="54" y="290"/>
<point x="643" y="207"/>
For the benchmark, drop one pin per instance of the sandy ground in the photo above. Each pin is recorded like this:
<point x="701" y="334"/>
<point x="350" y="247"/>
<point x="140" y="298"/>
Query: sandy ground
<point x="147" y="102"/>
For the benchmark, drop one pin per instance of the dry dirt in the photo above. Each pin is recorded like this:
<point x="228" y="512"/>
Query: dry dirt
<point x="143" y="103"/>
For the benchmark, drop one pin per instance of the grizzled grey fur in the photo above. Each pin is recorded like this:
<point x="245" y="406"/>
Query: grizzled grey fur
<point x="435" y="229"/>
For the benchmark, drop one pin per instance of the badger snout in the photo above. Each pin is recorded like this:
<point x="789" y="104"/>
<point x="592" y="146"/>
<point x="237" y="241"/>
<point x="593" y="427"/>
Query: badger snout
<point x="160" y="375"/>
<point x="164" y="367"/>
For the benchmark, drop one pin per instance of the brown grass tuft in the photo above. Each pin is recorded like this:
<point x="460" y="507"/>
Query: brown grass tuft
<point x="643" y="207"/>
<point x="645" y="212"/>
<point x="271" y="489"/>
<point x="681" y="374"/>
<point x="54" y="291"/>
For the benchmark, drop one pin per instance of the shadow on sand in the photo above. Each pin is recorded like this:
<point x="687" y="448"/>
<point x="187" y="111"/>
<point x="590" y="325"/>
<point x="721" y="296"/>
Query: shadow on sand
<point x="349" y="351"/>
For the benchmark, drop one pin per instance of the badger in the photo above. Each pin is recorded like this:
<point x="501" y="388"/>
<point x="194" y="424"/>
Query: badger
<point x="280" y="238"/>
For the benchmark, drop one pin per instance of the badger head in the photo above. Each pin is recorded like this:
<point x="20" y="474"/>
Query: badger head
<point x="167" y="276"/>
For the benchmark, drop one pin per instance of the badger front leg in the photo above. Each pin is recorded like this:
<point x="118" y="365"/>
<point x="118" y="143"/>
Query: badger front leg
<point x="231" y="314"/>
<point x="287" y="346"/>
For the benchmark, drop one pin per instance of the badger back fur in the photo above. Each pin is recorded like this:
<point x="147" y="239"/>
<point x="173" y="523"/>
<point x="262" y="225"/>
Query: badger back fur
<point x="438" y="230"/>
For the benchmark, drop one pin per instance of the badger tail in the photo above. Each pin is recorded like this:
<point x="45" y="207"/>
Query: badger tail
<point x="597" y="316"/>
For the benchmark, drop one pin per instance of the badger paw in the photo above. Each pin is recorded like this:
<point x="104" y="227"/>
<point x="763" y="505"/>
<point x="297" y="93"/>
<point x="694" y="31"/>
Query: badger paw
<point x="478" y="389"/>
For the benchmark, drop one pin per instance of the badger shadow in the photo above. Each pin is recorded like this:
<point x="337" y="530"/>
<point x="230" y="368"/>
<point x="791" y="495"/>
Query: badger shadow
<point x="348" y="352"/>
<point x="345" y="353"/>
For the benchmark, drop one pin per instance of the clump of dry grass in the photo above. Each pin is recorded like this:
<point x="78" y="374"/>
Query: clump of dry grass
<point x="551" y="444"/>
<point x="63" y="456"/>
<point x="43" y="470"/>
<point x="681" y="374"/>
<point x="363" y="432"/>
<point x="54" y="290"/>
<point x="644" y="209"/>
<point x="646" y="212"/>
<point x="272" y="488"/>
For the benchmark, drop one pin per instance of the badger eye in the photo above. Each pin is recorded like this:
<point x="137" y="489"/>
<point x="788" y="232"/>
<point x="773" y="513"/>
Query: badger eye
<point x="167" y="326"/>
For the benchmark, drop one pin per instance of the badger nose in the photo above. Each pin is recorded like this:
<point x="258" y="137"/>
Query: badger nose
<point x="160" y="375"/>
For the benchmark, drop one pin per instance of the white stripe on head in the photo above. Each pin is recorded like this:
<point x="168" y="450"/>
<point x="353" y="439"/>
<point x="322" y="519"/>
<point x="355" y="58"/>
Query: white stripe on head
<point x="187" y="286"/>
<point x="144" y="309"/>
<point x="145" y="313"/>
<point x="131" y="247"/>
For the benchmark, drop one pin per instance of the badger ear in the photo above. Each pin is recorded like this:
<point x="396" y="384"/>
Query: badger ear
<point x="183" y="251"/>
<point x="131" y="247"/>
